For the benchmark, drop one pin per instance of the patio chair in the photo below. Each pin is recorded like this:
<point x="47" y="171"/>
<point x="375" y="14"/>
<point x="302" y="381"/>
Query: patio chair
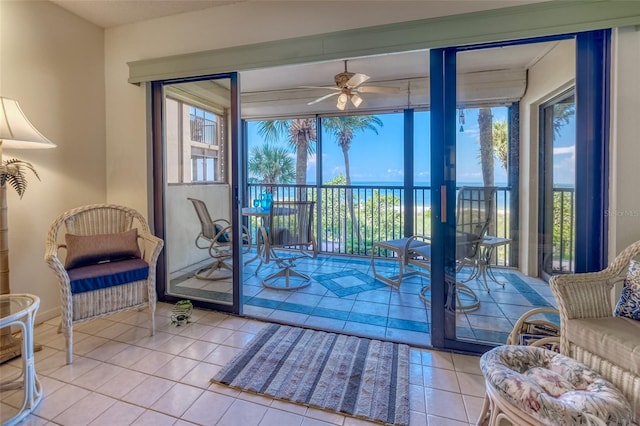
<point x="474" y="212"/>
<point x="215" y="236"/>
<point x="286" y="238"/>
<point x="104" y="258"/>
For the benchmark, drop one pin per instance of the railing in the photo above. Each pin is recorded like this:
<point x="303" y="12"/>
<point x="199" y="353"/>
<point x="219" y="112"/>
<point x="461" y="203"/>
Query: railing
<point x="563" y="235"/>
<point x="203" y="130"/>
<point x="350" y="218"/>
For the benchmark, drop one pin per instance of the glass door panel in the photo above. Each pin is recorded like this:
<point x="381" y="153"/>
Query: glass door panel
<point x="558" y="172"/>
<point x="201" y="215"/>
<point x="491" y="236"/>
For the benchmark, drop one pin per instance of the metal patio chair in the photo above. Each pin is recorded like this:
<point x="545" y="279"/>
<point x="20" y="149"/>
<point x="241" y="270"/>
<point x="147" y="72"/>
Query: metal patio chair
<point x="286" y="238"/>
<point x="474" y="213"/>
<point x="215" y="236"/>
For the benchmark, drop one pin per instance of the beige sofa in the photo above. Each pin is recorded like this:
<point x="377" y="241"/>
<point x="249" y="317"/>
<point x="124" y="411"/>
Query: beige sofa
<point x="589" y="331"/>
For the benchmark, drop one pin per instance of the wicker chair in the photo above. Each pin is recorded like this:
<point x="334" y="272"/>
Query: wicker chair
<point x="107" y="264"/>
<point x="591" y="334"/>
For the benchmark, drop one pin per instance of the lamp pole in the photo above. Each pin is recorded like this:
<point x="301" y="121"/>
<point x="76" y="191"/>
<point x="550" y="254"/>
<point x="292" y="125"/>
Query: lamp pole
<point x="10" y="347"/>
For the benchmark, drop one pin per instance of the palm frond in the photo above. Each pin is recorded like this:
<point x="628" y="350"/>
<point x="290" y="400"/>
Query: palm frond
<point x="13" y="172"/>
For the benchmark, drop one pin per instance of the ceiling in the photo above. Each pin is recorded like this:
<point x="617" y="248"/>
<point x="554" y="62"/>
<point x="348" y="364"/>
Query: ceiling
<point x="112" y="13"/>
<point x="497" y="75"/>
<point x="498" y="72"/>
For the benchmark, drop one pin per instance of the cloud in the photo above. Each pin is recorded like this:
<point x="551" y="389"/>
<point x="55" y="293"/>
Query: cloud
<point x="395" y="172"/>
<point x="312" y="159"/>
<point x="565" y="150"/>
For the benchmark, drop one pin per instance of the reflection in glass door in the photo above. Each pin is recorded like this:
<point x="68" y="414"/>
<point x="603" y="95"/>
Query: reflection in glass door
<point x="558" y="171"/>
<point x="486" y="219"/>
<point x="200" y="179"/>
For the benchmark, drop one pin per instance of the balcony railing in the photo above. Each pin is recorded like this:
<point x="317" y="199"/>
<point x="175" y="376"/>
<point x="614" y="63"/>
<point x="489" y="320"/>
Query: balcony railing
<point x="203" y="130"/>
<point x="350" y="218"/>
<point x="379" y="215"/>
<point x="563" y="235"/>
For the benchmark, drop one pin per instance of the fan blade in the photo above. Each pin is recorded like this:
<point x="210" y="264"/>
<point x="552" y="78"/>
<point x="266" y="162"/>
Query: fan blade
<point x="320" y="87"/>
<point x="356" y="100"/>
<point x="357" y="80"/>
<point x="322" y="98"/>
<point x="378" y="89"/>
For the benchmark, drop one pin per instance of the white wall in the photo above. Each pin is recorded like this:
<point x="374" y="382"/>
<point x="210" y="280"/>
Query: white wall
<point x="225" y="26"/>
<point x="624" y="206"/>
<point x="549" y="77"/>
<point x="52" y="63"/>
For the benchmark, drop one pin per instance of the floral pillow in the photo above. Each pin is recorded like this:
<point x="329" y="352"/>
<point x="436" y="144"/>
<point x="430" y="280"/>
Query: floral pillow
<point x="629" y="303"/>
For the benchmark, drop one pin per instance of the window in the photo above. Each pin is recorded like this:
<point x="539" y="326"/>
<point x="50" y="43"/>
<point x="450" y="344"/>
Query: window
<point x="204" y="126"/>
<point x="195" y="151"/>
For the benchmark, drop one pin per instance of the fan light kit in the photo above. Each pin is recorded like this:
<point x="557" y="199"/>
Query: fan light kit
<point x="348" y="88"/>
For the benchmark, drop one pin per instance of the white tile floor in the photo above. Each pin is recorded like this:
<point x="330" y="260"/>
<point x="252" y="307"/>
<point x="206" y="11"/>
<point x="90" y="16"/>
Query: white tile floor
<point x="122" y="376"/>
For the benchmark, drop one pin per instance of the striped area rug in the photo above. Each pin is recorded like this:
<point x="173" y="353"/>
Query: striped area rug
<point x="356" y="376"/>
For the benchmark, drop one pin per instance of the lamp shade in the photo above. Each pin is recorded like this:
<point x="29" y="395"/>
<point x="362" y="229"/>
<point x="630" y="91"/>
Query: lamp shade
<point x="16" y="131"/>
<point x="342" y="101"/>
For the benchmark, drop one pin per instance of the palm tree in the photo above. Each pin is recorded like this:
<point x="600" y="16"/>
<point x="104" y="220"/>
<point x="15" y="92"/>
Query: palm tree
<point x="343" y="128"/>
<point x="301" y="134"/>
<point x="501" y="143"/>
<point x="271" y="164"/>
<point x="485" y="123"/>
<point x="562" y="113"/>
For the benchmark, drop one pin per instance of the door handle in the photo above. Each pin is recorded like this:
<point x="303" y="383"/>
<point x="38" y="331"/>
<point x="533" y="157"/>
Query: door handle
<point x="443" y="204"/>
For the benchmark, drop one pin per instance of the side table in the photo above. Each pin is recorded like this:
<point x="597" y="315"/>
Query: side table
<point x="20" y="310"/>
<point x="483" y="263"/>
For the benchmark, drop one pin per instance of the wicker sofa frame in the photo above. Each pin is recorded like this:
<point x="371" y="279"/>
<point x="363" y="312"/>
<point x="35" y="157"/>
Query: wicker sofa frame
<point x="82" y="307"/>
<point x="588" y="296"/>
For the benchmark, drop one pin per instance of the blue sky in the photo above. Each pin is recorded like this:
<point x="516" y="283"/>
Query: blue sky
<point x="379" y="158"/>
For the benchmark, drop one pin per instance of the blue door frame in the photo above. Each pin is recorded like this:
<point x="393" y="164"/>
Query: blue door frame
<point x="592" y="122"/>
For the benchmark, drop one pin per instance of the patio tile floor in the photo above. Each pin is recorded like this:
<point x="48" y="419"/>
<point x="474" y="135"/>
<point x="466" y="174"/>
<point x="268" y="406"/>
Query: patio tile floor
<point x="344" y="297"/>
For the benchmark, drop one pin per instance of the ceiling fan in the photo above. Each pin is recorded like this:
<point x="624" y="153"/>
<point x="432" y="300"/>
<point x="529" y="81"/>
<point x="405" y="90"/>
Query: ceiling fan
<point x="348" y="88"/>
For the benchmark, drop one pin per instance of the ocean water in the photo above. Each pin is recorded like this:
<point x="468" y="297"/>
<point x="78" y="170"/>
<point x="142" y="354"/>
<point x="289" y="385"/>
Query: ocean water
<point x="363" y="191"/>
<point x="422" y="191"/>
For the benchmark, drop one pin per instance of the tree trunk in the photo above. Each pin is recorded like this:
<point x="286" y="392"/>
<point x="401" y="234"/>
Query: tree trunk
<point x="485" y="124"/>
<point x="486" y="145"/>
<point x="349" y="196"/>
<point x="302" y="153"/>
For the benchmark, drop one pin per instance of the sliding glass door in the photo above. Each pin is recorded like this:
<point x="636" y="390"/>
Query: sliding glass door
<point x="197" y="163"/>
<point x="487" y="230"/>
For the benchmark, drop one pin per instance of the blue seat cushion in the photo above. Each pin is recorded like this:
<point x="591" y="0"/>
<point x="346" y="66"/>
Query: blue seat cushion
<point x="108" y="274"/>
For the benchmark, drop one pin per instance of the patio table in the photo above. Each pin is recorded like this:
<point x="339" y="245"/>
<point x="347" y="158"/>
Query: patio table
<point x="400" y="248"/>
<point x="263" y="214"/>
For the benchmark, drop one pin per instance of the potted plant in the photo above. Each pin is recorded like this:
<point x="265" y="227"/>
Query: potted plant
<point x="181" y="313"/>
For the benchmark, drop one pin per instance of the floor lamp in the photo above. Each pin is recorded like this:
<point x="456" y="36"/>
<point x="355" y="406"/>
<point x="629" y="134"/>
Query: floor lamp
<point x="16" y="132"/>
